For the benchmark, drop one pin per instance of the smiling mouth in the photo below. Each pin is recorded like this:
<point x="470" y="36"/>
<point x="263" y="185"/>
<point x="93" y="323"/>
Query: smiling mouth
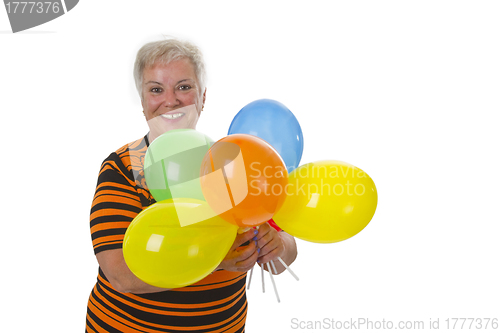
<point x="172" y="115"/>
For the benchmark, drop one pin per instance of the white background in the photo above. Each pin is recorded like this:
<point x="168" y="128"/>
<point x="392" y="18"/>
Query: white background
<point x="406" y="90"/>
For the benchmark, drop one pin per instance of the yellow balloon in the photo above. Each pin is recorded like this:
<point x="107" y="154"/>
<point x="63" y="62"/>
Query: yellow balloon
<point x="327" y="202"/>
<point x="176" y="242"/>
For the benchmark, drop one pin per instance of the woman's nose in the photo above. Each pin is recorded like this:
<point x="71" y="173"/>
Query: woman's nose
<point x="171" y="99"/>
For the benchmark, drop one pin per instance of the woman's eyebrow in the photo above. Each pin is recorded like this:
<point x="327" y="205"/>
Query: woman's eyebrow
<point x="153" y="82"/>
<point x="185" y="80"/>
<point x="156" y="82"/>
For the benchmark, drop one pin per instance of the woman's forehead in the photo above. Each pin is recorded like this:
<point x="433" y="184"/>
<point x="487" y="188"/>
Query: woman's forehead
<point x="183" y="66"/>
<point x="160" y="62"/>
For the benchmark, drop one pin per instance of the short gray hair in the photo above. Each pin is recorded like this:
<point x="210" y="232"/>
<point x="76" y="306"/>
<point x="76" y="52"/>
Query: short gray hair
<point x="166" y="51"/>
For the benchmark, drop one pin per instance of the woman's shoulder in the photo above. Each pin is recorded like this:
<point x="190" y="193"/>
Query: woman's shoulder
<point x="126" y="165"/>
<point x="139" y="145"/>
<point x="130" y="155"/>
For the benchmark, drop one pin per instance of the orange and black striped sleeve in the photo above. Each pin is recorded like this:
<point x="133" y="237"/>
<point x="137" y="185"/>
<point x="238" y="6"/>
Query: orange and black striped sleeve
<point x="116" y="202"/>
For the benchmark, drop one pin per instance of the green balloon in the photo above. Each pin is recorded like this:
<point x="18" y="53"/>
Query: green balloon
<point x="172" y="164"/>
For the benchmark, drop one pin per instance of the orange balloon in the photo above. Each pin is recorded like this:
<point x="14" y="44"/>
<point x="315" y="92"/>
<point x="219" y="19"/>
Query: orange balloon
<point x="243" y="180"/>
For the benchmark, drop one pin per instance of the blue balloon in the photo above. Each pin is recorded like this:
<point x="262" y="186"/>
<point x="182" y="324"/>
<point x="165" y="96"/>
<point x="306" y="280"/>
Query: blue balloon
<point x="275" y="123"/>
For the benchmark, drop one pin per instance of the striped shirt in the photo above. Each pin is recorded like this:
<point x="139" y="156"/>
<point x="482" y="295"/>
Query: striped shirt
<point x="215" y="304"/>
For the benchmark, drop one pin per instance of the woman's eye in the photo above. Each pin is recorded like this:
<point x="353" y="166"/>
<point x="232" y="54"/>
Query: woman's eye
<point x="184" y="87"/>
<point x="156" y="90"/>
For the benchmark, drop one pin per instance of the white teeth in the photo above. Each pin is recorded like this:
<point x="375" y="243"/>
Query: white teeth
<point x="172" y="115"/>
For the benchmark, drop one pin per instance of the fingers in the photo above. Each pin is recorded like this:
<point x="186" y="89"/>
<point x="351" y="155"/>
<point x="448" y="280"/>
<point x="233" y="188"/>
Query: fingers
<point x="270" y="256"/>
<point x="245" y="252"/>
<point x="265" y="235"/>
<point x="264" y="244"/>
<point x="246" y="258"/>
<point x="270" y="243"/>
<point x="241" y="258"/>
<point x="244" y="237"/>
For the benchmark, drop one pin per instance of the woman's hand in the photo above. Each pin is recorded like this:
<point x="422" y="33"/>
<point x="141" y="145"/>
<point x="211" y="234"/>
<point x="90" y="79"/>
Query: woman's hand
<point x="265" y="244"/>
<point x="270" y="244"/>
<point x="242" y="258"/>
<point x="274" y="244"/>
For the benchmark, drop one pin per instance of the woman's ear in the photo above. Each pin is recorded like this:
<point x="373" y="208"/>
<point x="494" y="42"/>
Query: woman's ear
<point x="204" y="97"/>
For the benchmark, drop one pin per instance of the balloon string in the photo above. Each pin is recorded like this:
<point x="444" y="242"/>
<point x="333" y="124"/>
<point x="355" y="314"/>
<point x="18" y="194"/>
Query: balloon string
<point x="274" y="268"/>
<point x="250" y="279"/>
<point x="272" y="280"/>
<point x="262" y="276"/>
<point x="288" y="269"/>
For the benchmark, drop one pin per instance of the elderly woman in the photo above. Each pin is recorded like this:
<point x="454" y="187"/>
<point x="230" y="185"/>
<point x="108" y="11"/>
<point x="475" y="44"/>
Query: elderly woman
<point x="170" y="78"/>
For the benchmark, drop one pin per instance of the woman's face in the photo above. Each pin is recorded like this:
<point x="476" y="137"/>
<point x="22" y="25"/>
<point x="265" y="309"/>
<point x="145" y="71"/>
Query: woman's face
<point x="171" y="96"/>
